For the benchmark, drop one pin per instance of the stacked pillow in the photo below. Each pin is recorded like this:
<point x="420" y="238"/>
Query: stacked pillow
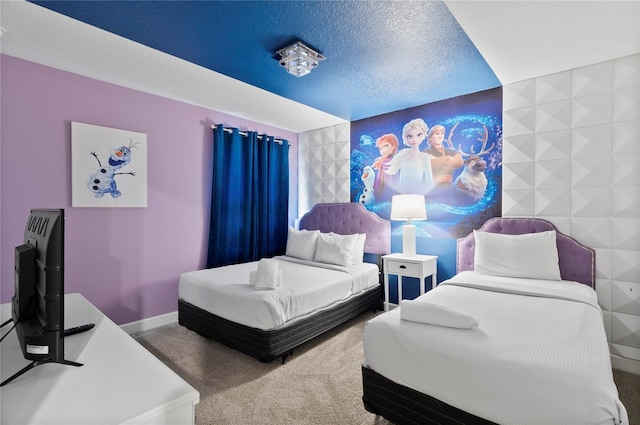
<point x="330" y="248"/>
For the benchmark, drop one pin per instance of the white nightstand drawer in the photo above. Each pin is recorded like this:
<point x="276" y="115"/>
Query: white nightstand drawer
<point x="403" y="268"/>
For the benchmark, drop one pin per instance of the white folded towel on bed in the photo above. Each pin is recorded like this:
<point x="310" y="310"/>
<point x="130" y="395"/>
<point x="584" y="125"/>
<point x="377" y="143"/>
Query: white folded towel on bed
<point x="435" y="314"/>
<point x="268" y="275"/>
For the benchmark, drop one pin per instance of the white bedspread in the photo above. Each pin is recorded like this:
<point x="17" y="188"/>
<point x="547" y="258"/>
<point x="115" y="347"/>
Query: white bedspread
<point x="306" y="287"/>
<point x="539" y="355"/>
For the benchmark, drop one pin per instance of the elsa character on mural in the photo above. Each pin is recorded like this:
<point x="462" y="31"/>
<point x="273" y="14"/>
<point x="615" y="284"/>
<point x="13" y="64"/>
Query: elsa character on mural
<point x="412" y="165"/>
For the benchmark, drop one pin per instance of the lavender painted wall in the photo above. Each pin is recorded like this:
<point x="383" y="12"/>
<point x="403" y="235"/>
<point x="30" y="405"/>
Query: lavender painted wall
<point x="125" y="261"/>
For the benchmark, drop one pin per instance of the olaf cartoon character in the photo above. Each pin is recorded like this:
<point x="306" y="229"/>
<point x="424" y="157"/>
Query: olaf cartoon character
<point x="103" y="180"/>
<point x="368" y="178"/>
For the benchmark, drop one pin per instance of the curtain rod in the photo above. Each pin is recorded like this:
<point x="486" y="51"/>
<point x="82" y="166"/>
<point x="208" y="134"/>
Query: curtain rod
<point x="244" y="133"/>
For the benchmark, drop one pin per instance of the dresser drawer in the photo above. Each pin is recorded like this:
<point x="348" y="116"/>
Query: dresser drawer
<point x="403" y="268"/>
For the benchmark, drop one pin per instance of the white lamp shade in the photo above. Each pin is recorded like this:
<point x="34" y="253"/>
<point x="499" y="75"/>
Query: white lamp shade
<point x="408" y="208"/>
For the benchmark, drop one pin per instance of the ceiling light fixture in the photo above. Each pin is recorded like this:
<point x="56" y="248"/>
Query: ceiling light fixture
<point x="299" y="59"/>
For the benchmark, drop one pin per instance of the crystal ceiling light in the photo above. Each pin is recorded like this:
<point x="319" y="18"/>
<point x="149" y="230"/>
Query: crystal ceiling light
<point x="299" y="59"/>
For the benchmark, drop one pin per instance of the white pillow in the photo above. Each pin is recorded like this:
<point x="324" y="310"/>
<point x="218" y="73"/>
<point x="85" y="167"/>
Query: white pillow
<point x="334" y="249"/>
<point x="530" y="255"/>
<point x="302" y="243"/>
<point x="357" y="241"/>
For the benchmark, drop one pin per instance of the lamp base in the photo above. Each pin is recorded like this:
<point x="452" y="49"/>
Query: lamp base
<point x="409" y="240"/>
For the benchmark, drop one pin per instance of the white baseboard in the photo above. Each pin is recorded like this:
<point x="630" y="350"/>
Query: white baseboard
<point x="150" y="323"/>
<point x="625" y="365"/>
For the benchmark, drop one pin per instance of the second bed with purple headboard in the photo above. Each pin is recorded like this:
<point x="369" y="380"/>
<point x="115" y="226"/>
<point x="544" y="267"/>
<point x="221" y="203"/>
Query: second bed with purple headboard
<point x="534" y="347"/>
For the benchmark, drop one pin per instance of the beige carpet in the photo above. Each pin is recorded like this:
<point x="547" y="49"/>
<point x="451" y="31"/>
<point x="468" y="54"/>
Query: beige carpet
<point x="320" y="384"/>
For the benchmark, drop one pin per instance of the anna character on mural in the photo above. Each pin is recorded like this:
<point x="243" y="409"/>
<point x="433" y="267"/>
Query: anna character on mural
<point x="412" y="165"/>
<point x="387" y="144"/>
<point x="445" y="160"/>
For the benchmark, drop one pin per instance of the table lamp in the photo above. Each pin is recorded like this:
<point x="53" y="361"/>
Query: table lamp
<point x="408" y="208"/>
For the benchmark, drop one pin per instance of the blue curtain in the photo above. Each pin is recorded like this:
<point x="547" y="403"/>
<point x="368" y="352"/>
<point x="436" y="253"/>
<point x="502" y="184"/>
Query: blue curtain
<point x="249" y="197"/>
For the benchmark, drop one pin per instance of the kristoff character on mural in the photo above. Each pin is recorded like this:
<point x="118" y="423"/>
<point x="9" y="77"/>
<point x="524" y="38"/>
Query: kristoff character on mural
<point x="387" y="144"/>
<point x="444" y="159"/>
<point x="412" y="165"/>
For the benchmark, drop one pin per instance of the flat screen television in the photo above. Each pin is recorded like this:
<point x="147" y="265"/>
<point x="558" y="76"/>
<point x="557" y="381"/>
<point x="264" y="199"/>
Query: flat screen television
<point x="38" y="303"/>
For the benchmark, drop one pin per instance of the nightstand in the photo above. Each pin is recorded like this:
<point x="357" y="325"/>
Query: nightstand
<point x="420" y="266"/>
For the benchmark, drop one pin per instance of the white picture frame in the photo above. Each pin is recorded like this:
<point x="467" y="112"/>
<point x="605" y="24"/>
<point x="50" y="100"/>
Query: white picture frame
<point x="108" y="167"/>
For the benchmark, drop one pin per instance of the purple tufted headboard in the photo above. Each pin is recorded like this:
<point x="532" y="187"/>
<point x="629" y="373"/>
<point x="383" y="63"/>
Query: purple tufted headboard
<point x="348" y="218"/>
<point x="577" y="262"/>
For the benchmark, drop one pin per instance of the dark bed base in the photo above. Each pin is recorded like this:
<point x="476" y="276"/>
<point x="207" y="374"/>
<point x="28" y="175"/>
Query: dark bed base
<point x="268" y="345"/>
<point x="406" y="406"/>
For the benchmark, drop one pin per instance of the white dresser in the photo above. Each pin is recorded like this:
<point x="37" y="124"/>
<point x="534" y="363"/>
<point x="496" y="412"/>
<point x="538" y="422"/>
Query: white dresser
<point x="120" y="382"/>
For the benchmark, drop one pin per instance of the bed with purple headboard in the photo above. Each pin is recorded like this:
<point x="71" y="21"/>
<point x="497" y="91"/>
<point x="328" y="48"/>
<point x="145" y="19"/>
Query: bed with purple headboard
<point x="535" y="350"/>
<point x="577" y="262"/>
<point x="215" y="314"/>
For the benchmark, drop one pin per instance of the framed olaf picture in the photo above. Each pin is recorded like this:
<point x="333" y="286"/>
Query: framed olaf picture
<point x="109" y="167"/>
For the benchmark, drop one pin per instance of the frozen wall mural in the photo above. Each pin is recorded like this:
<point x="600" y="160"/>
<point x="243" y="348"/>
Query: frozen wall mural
<point x="450" y="151"/>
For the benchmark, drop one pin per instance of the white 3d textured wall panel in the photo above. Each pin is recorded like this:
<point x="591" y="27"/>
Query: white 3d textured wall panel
<point x="572" y="155"/>
<point x="323" y="166"/>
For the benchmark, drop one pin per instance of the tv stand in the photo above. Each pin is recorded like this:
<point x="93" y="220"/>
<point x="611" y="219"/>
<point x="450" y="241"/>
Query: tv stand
<point x="120" y="383"/>
<point x="67" y="332"/>
<point x="34" y="364"/>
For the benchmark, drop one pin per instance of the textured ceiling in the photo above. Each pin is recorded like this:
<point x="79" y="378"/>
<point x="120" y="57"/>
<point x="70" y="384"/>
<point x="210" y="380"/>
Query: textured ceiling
<point x="382" y="56"/>
<point x="406" y="53"/>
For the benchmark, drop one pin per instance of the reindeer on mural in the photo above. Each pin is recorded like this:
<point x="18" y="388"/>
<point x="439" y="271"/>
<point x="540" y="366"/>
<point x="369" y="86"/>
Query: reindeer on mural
<point x="471" y="184"/>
